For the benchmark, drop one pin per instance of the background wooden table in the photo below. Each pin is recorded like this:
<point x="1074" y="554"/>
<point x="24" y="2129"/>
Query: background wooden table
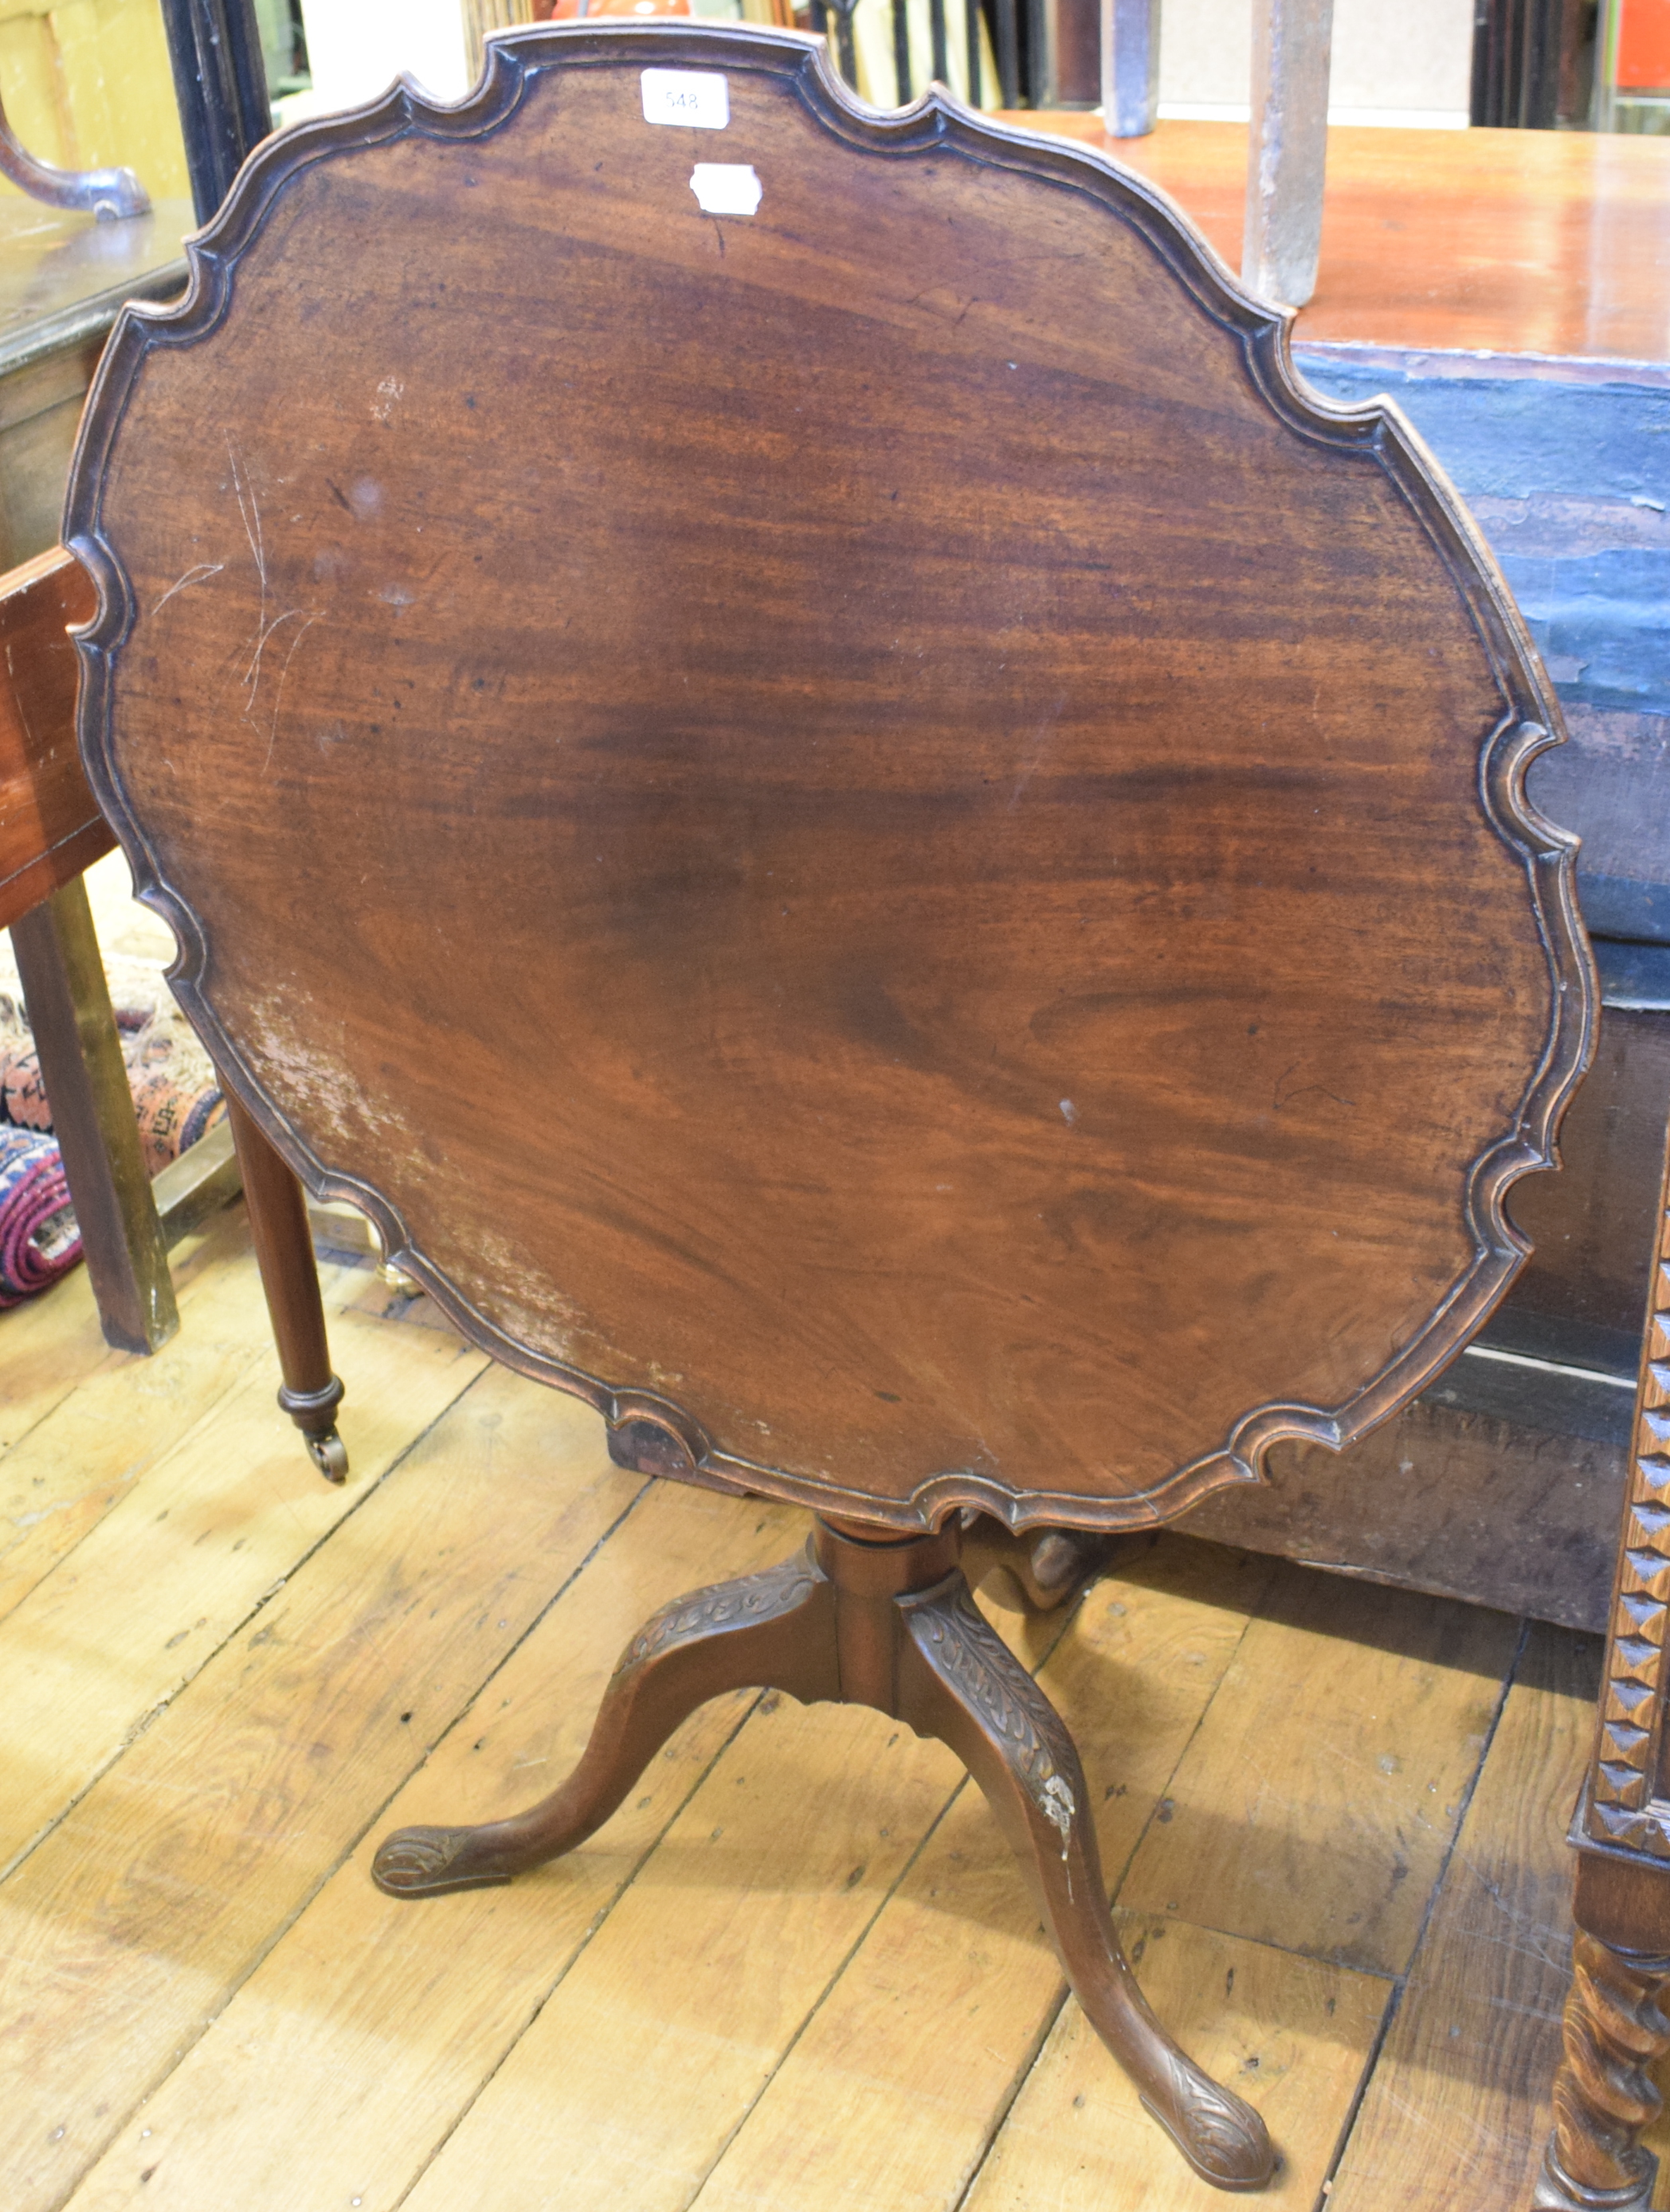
<point x="1509" y="241"/>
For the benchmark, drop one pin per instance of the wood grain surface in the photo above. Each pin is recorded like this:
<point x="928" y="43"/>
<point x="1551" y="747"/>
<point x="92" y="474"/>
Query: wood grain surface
<point x="1457" y="2111"/>
<point x="234" y="1814"/>
<point x="1502" y="241"/>
<point x="1293" y="2035"/>
<point x="56" y="1482"/>
<point x="856" y="827"/>
<point x="72" y="1678"/>
<point x="1380" y="1758"/>
<point x="300" y="2054"/>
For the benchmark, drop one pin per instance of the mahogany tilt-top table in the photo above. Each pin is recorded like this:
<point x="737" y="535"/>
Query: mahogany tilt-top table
<point x="961" y="839"/>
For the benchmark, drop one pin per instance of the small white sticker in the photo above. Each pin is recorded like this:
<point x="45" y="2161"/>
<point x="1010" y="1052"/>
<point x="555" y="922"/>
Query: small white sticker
<point x="699" y="99"/>
<point x="725" y="187"/>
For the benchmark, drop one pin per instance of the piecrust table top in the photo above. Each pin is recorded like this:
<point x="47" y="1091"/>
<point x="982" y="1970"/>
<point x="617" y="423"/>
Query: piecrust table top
<point x="865" y="836"/>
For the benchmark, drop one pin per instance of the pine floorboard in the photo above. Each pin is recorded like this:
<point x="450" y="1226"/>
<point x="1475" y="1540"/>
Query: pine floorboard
<point x="797" y="1971"/>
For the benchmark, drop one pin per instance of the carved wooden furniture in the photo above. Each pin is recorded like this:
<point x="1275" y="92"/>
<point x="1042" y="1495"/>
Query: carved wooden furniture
<point x="1615" y="2027"/>
<point x="964" y="842"/>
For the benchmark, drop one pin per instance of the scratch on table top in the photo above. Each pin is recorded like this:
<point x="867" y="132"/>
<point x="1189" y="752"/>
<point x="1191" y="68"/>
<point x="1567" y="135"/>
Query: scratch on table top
<point x="194" y="576"/>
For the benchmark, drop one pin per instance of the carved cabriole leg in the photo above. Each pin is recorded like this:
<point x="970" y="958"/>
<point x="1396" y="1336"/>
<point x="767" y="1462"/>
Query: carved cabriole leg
<point x="289" y="1276"/>
<point x="889" y="1622"/>
<point x="968" y="1689"/>
<point x="772" y="1631"/>
<point x="1613" y="2030"/>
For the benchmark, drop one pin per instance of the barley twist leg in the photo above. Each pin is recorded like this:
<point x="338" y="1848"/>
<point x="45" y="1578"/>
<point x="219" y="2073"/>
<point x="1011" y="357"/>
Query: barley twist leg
<point x="1603" y="2094"/>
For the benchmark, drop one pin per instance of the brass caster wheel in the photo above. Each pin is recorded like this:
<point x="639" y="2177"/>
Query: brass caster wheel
<point x="329" y="1454"/>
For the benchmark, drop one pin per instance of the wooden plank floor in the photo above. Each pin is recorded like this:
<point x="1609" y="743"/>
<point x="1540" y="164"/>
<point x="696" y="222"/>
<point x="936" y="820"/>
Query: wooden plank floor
<point x="798" y="1971"/>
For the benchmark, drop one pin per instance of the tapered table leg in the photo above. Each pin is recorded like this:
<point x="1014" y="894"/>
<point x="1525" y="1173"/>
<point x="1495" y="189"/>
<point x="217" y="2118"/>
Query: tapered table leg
<point x="310" y="1393"/>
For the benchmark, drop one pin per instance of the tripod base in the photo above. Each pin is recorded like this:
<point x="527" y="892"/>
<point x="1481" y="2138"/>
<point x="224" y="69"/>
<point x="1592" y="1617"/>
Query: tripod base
<point x="891" y="1624"/>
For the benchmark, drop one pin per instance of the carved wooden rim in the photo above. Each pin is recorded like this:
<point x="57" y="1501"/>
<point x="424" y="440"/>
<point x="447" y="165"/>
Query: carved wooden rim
<point x="1530" y="720"/>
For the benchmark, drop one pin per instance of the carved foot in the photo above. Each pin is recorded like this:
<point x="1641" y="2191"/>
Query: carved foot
<point x="1036" y="1571"/>
<point x="429" y="1862"/>
<point x="1603" y="2093"/>
<point x="774" y="1630"/>
<point x="966" y="1687"/>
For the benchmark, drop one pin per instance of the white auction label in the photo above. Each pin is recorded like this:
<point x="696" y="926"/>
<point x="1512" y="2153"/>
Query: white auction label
<point x="726" y="187"/>
<point x="700" y="99"/>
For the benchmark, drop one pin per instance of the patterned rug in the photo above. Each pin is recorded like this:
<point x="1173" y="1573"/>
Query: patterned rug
<point x="175" y="1096"/>
<point x="39" y="1238"/>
